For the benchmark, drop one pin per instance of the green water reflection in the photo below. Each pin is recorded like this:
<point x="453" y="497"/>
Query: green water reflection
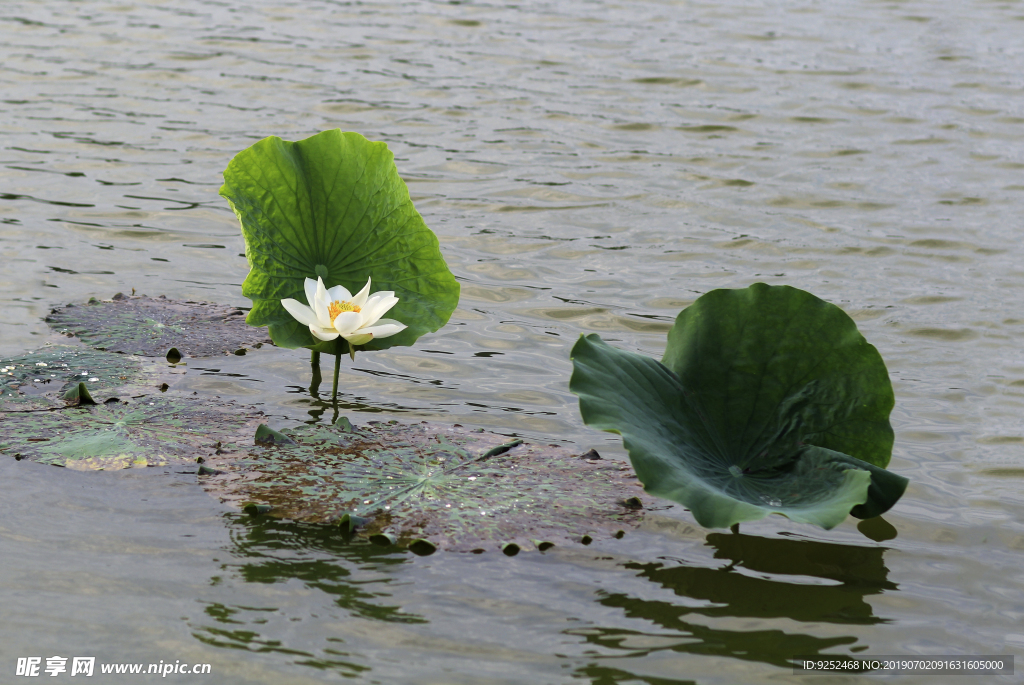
<point x="276" y="551"/>
<point x="270" y="551"/>
<point x="801" y="580"/>
<point x="666" y="606"/>
<point x="600" y="675"/>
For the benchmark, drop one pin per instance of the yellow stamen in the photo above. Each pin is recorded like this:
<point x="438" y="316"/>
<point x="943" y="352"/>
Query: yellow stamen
<point x="338" y="306"/>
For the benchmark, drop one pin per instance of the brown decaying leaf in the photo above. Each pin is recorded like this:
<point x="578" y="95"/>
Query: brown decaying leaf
<point x="443" y="484"/>
<point x="137" y="324"/>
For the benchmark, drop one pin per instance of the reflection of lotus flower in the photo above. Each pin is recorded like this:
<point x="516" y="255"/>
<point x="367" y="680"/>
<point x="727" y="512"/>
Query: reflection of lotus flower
<point x="337" y="312"/>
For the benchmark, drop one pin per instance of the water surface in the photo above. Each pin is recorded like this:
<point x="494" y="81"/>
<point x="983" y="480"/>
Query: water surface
<point x="588" y="167"/>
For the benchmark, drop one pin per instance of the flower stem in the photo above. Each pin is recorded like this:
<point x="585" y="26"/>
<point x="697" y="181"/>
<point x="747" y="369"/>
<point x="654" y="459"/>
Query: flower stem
<point x="314" y="363"/>
<point x="334" y="388"/>
<point x="337" y="367"/>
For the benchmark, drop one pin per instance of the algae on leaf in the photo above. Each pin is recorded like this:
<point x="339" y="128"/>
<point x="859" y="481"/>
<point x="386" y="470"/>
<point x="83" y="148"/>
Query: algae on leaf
<point x="152" y="430"/>
<point x="768" y="400"/>
<point x="150" y="326"/>
<point x="449" y="488"/>
<point x="44" y="376"/>
<point x="333" y="207"/>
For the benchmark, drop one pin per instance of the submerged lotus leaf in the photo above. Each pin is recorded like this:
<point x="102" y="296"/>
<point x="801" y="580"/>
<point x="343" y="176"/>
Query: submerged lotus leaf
<point x="455" y="489"/>
<point x="150" y="326"/>
<point x="152" y="430"/>
<point x="768" y="400"/>
<point x="42" y="377"/>
<point x="333" y="206"/>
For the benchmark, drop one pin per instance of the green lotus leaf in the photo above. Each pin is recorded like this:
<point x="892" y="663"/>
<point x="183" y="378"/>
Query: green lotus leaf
<point x="151" y="430"/>
<point x="768" y="400"/>
<point x="79" y="394"/>
<point x="333" y="206"/>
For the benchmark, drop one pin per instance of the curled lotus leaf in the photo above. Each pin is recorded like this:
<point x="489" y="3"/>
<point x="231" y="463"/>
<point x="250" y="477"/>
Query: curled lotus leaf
<point x="153" y="430"/>
<point x="150" y="326"/>
<point x="452" y="488"/>
<point x="79" y="394"/>
<point x="768" y="401"/>
<point x="43" y="377"/>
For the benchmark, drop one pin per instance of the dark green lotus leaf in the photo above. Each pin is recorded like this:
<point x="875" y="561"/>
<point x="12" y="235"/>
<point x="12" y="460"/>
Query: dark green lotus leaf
<point x="42" y="378"/>
<point x="445" y="487"/>
<point x="152" y="430"/>
<point x="334" y="206"/>
<point x="768" y="400"/>
<point x="268" y="436"/>
<point x="151" y="326"/>
<point x="79" y="394"/>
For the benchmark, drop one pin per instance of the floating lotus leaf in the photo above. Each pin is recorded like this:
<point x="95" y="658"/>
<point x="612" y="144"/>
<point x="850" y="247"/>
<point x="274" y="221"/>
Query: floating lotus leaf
<point x="768" y="400"/>
<point x="333" y="206"/>
<point x="453" y="489"/>
<point x="151" y="326"/>
<point x="152" y="430"/>
<point x="42" y="377"/>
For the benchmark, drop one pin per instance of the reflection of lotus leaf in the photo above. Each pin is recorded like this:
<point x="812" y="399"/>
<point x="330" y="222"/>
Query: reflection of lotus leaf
<point x="460" y="490"/>
<point x="41" y="377"/>
<point x="150" y="431"/>
<point x="151" y="326"/>
<point x="773" y="585"/>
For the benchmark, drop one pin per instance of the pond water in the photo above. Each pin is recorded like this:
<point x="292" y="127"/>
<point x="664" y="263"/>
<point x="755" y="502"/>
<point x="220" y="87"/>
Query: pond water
<point x="588" y="167"/>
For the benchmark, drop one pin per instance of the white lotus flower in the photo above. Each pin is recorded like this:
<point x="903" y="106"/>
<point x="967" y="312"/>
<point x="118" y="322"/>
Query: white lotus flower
<point x="337" y="312"/>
